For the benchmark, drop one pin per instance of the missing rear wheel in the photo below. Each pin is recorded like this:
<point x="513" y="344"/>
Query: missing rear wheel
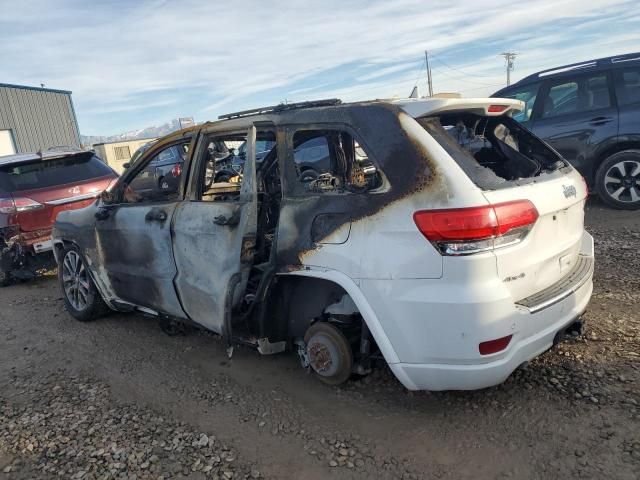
<point x="329" y="353"/>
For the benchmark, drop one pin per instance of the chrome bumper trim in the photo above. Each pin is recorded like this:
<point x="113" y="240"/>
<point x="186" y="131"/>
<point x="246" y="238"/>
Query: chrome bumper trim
<point x="578" y="276"/>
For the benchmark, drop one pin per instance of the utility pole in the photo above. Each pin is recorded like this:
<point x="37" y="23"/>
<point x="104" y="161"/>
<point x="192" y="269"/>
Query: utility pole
<point x="509" y="59"/>
<point x="426" y="56"/>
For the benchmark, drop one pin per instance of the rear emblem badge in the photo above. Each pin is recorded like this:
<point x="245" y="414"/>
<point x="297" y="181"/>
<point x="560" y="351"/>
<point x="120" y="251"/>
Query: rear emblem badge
<point x="569" y="191"/>
<point x="514" y="278"/>
<point x="74" y="190"/>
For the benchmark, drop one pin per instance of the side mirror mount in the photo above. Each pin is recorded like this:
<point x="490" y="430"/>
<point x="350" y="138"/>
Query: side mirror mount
<point x="107" y="197"/>
<point x="126" y="165"/>
<point x="109" y="194"/>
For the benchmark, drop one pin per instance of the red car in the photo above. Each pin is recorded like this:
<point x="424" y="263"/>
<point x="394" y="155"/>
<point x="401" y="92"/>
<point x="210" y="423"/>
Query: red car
<point x="34" y="188"/>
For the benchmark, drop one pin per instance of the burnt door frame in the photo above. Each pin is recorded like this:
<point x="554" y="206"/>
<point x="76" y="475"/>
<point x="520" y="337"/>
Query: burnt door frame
<point x="134" y="244"/>
<point x="213" y="240"/>
<point x="307" y="219"/>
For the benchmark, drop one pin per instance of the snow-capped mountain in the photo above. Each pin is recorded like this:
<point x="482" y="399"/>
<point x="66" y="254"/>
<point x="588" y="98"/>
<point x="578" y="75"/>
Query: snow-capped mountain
<point x="149" y="132"/>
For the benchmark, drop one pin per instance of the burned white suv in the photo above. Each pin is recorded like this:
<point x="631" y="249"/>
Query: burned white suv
<point x="438" y="235"/>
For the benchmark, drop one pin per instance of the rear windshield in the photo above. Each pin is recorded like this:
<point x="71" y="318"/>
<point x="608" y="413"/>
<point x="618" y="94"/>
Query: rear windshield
<point x="49" y="173"/>
<point x="492" y="150"/>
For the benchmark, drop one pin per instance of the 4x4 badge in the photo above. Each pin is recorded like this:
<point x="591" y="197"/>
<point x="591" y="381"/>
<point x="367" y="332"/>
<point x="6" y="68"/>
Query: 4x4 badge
<point x="569" y="191"/>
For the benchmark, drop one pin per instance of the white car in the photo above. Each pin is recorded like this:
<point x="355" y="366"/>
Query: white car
<point x="436" y="234"/>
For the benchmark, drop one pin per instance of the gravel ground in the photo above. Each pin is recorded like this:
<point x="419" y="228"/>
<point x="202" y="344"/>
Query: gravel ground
<point x="117" y="398"/>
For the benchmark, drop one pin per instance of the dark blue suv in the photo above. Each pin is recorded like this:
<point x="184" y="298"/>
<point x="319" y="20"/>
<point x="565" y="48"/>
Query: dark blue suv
<point x="590" y="113"/>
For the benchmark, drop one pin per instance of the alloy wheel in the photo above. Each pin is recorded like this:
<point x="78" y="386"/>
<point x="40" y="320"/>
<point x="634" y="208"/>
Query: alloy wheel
<point x="622" y="181"/>
<point x="75" y="280"/>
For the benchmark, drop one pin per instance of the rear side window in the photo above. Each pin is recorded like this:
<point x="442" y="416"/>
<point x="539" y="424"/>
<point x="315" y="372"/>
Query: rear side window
<point x="53" y="172"/>
<point x="332" y="161"/>
<point x="628" y="86"/>
<point x="576" y="95"/>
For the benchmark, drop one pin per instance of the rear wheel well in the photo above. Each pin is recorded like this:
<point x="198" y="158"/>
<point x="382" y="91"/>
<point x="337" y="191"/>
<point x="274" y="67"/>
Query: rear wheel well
<point x="616" y="148"/>
<point x="301" y="301"/>
<point x="59" y="247"/>
<point x="304" y="304"/>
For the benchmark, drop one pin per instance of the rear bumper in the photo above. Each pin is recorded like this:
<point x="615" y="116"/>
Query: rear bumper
<point x="25" y="253"/>
<point x="36" y="241"/>
<point x="435" y="331"/>
<point x="472" y="377"/>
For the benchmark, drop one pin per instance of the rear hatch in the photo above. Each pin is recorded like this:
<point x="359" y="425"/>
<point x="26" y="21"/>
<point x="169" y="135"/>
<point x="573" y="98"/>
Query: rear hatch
<point x="510" y="164"/>
<point x="551" y="248"/>
<point x="41" y="188"/>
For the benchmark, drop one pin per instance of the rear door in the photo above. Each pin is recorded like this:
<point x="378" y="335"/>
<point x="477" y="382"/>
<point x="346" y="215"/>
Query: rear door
<point x="627" y="81"/>
<point x="577" y="116"/>
<point x="133" y="244"/>
<point x="214" y="235"/>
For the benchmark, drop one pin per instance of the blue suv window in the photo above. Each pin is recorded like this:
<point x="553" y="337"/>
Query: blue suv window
<point x="628" y="86"/>
<point x="577" y="95"/>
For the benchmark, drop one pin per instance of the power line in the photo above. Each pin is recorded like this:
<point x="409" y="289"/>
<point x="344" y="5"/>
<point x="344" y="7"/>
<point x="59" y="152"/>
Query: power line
<point x="464" y="79"/>
<point x="460" y="70"/>
<point x="419" y="72"/>
<point x="478" y="88"/>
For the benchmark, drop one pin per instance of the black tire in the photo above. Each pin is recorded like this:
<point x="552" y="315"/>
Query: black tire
<point x="86" y="304"/>
<point x="5" y="279"/>
<point x="618" y="180"/>
<point x="329" y="352"/>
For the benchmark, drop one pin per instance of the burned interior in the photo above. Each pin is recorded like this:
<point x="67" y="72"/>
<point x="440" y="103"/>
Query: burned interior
<point x="497" y="149"/>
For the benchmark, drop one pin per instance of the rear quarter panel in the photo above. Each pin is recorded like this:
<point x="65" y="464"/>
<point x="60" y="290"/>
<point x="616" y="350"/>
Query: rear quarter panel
<point x="383" y="240"/>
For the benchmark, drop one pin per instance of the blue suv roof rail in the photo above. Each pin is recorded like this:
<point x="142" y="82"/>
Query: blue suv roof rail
<point x="330" y="102"/>
<point x="600" y="62"/>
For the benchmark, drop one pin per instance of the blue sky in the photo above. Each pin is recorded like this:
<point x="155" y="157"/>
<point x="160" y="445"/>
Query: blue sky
<point x="132" y="64"/>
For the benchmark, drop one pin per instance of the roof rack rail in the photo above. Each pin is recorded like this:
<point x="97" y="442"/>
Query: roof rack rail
<point x="282" y="107"/>
<point x="629" y="57"/>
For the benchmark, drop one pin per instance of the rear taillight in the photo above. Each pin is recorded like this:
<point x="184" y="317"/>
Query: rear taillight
<point x="7" y="205"/>
<point x="17" y="205"/>
<point x="494" y="346"/>
<point x="464" y="231"/>
<point x="586" y="185"/>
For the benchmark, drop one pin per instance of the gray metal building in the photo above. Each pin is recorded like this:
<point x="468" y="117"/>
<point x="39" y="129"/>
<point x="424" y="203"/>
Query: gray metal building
<point x="34" y="119"/>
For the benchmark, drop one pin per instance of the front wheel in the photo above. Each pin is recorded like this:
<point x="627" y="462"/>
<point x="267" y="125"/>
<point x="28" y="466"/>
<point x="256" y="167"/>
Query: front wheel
<point x="81" y="298"/>
<point x="618" y="180"/>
